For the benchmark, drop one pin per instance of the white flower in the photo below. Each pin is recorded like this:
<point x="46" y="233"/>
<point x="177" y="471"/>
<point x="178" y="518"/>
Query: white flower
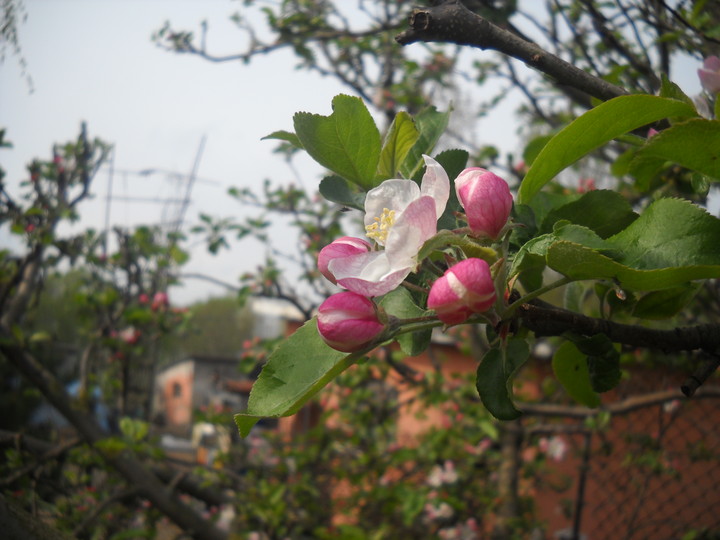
<point x="400" y="216"/>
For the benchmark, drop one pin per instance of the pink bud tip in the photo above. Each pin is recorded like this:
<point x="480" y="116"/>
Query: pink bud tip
<point x="486" y="199"/>
<point x="348" y="321"/>
<point x="464" y="289"/>
<point x="710" y="74"/>
<point x="342" y="247"/>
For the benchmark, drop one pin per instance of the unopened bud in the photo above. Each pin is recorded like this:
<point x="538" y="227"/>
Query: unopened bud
<point x="348" y="321"/>
<point x="464" y="289"/>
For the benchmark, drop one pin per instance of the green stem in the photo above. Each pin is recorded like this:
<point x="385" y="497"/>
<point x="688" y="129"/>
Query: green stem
<point x="530" y="296"/>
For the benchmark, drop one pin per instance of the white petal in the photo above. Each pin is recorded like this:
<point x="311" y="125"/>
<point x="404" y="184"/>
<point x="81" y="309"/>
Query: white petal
<point x="369" y="274"/>
<point x="392" y="194"/>
<point x="435" y="184"/>
<point x="414" y="227"/>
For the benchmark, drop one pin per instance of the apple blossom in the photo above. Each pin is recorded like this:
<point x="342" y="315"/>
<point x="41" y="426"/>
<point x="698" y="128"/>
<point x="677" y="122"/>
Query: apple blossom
<point x="342" y="247"/>
<point x="160" y="301"/>
<point x="400" y="216"/>
<point x="348" y="321"/>
<point x="710" y="74"/>
<point x="486" y="199"/>
<point x="130" y="335"/>
<point x="464" y="289"/>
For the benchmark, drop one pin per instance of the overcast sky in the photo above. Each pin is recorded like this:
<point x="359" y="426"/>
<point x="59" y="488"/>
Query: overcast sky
<point x="94" y="61"/>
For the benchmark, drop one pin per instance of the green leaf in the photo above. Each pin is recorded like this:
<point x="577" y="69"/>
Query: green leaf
<point x="534" y="147"/>
<point x="401" y="137"/>
<point x="579" y="262"/>
<point x="603" y="361"/>
<point x="340" y="191"/>
<point x="671" y="243"/>
<point x="298" y="368"/>
<point x="347" y="142"/>
<point x="495" y="375"/>
<point x="593" y="129"/>
<point x="571" y="369"/>
<point x="657" y="305"/>
<point x="605" y="212"/>
<point x="534" y="253"/>
<point x="694" y="144"/>
<point x="431" y="124"/>
<point x="670" y="232"/>
<point x="399" y="303"/>
<point x="287" y="136"/>
<point x="669" y="89"/>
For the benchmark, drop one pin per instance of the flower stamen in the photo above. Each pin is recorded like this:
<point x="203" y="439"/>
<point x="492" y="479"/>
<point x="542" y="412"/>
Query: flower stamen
<point x="379" y="229"/>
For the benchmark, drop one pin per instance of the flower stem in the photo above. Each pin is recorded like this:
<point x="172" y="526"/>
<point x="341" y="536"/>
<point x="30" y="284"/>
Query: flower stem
<point x="538" y="292"/>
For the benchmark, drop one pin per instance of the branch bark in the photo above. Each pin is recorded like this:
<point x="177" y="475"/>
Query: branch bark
<point x="620" y="407"/>
<point x="546" y="320"/>
<point x="451" y="22"/>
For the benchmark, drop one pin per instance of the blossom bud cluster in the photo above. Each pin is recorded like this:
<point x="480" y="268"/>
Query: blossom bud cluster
<point x="400" y="217"/>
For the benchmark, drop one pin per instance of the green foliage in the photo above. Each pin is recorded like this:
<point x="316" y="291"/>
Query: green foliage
<point x="347" y="142"/>
<point x="400" y="139"/>
<point x="571" y="369"/>
<point x="495" y="377"/>
<point x="289" y="379"/>
<point x="594" y="129"/>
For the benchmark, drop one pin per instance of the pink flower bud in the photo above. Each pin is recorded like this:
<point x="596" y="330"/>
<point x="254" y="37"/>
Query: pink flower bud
<point x="348" y="321"/>
<point x="464" y="289"/>
<point x="710" y="74"/>
<point x="342" y="247"/>
<point x="143" y="298"/>
<point x="486" y="199"/>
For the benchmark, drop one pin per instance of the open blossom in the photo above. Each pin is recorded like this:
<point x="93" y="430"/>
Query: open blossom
<point x="442" y="475"/>
<point x="486" y="199"/>
<point x="710" y="74"/>
<point x="464" y="289"/>
<point x="348" y="322"/>
<point x="555" y="447"/>
<point x="130" y="335"/>
<point x="342" y="247"/>
<point x="400" y="216"/>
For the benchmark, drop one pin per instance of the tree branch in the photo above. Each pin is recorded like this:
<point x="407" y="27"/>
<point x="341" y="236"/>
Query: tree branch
<point x="451" y="22"/>
<point x="546" y="320"/>
<point x="134" y="472"/>
<point x="620" y="407"/>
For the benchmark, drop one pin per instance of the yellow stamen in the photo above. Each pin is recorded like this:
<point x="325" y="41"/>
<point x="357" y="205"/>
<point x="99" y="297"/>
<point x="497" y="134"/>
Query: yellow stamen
<point x="379" y="229"/>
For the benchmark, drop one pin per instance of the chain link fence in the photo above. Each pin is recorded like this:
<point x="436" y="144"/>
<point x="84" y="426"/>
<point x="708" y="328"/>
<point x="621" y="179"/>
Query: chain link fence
<point x="652" y="473"/>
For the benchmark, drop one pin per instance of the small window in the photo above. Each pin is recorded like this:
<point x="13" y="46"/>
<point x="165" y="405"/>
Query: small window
<point x="176" y="390"/>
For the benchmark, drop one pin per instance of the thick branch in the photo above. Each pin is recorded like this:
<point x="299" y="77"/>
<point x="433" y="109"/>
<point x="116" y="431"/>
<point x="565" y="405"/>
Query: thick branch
<point x="188" y="483"/>
<point x="552" y="321"/>
<point x="451" y="22"/>
<point x="134" y="472"/>
<point x="620" y="407"/>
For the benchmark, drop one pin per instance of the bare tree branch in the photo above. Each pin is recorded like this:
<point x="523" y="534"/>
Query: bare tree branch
<point x="619" y="407"/>
<point x="546" y="320"/>
<point x="134" y="472"/>
<point x="451" y="22"/>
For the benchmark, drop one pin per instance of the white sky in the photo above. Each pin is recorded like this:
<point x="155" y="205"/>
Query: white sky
<point x="93" y="60"/>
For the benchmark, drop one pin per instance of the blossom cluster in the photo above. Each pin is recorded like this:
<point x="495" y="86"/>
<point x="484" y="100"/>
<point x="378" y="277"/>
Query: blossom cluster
<point x="400" y="218"/>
